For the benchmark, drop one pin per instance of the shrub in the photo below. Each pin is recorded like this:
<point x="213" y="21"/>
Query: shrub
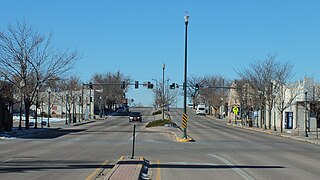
<point x="160" y="123"/>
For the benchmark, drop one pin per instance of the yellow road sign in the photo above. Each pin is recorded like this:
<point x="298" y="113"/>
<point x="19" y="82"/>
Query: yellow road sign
<point x="235" y="110"/>
<point x="184" y="121"/>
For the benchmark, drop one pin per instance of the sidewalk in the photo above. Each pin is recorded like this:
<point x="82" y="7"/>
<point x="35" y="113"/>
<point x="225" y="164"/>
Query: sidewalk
<point x="290" y="134"/>
<point x="24" y="132"/>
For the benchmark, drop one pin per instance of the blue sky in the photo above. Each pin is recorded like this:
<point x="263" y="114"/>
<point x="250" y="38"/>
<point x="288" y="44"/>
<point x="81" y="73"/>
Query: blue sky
<point x="137" y="36"/>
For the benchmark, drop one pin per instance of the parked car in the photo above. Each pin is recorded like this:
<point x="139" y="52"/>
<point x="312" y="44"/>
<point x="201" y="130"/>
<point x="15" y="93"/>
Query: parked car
<point x="135" y="116"/>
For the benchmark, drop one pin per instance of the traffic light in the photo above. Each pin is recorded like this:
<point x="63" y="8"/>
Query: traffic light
<point x="197" y="87"/>
<point x="123" y="86"/>
<point x="91" y="99"/>
<point x="150" y="86"/>
<point x="136" y="84"/>
<point x="173" y="86"/>
<point x="90" y="85"/>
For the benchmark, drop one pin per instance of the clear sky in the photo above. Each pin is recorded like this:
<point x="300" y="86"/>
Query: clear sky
<point x="137" y="36"/>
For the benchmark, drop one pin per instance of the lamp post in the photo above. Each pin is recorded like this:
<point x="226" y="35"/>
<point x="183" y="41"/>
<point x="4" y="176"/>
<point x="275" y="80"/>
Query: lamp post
<point x="186" y="21"/>
<point x="67" y="99"/>
<point x="74" y="119"/>
<point x="36" y="115"/>
<point x="100" y="107"/>
<point x="22" y="84"/>
<point x="163" y="68"/>
<point x="42" y="113"/>
<point x="305" y="115"/>
<point x="274" y="114"/>
<point x="79" y="109"/>
<point x="49" y="92"/>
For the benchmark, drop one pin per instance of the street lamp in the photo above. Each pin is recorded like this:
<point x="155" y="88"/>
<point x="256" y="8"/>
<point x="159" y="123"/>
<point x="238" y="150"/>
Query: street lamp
<point x="100" y="107"/>
<point x="22" y="84"/>
<point x="305" y="115"/>
<point x="36" y="115"/>
<point x="49" y="92"/>
<point x="74" y="119"/>
<point x="274" y="114"/>
<point x="79" y="109"/>
<point x="67" y="99"/>
<point x="186" y="21"/>
<point x="163" y="68"/>
<point x="42" y="113"/>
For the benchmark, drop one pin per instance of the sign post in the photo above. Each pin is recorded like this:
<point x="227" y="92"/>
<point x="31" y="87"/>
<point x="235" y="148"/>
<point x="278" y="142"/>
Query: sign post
<point x="235" y="112"/>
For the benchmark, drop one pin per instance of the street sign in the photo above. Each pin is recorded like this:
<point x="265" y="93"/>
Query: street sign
<point x="184" y="121"/>
<point x="235" y="110"/>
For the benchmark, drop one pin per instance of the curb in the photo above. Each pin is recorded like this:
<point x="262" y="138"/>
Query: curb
<point x="185" y="140"/>
<point x="82" y="123"/>
<point x="189" y="139"/>
<point x="275" y="134"/>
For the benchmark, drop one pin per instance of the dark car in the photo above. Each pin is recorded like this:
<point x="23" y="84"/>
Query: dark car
<point x="120" y="112"/>
<point x="135" y="116"/>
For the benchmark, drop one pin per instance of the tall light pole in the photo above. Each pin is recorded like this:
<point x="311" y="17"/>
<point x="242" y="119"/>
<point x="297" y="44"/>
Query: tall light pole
<point x="67" y="101"/>
<point x="22" y="84"/>
<point x="74" y="118"/>
<point x="305" y="115"/>
<point x="42" y="113"/>
<point x="163" y="68"/>
<point x="80" y="109"/>
<point x="100" y="107"/>
<point x="49" y="92"/>
<point x="274" y="115"/>
<point x="36" y="115"/>
<point x="186" y="21"/>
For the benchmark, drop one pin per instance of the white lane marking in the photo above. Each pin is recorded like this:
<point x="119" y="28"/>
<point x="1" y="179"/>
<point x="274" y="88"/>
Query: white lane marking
<point x="237" y="170"/>
<point x="132" y="137"/>
<point x="6" y="160"/>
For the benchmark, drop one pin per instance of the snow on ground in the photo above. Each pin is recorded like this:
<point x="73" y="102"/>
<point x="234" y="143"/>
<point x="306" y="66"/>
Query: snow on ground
<point x="5" y="136"/>
<point x="31" y="119"/>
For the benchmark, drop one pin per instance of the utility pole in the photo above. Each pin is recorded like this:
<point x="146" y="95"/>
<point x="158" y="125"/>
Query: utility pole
<point x="163" y="68"/>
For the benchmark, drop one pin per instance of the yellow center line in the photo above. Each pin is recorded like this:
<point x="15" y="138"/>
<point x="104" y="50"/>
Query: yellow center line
<point x="158" y="177"/>
<point x="94" y="174"/>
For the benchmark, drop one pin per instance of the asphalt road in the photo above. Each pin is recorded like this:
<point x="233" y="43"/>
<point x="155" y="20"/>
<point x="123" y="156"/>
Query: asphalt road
<point x="226" y="152"/>
<point x="219" y="152"/>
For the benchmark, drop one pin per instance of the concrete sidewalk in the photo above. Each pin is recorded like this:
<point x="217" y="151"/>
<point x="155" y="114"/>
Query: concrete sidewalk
<point x="312" y="138"/>
<point x="25" y="132"/>
<point x="290" y="134"/>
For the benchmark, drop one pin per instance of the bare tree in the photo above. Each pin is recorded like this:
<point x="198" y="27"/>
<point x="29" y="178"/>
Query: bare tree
<point x="265" y="77"/>
<point x="283" y="86"/>
<point x="212" y="92"/>
<point x="68" y="92"/>
<point x="170" y="95"/>
<point x="192" y="92"/>
<point x="284" y="98"/>
<point x="108" y="84"/>
<point x="28" y="60"/>
<point x="6" y="103"/>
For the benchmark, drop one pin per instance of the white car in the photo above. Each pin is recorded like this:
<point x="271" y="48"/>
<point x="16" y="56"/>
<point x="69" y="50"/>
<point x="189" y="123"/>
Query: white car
<point x="201" y="109"/>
